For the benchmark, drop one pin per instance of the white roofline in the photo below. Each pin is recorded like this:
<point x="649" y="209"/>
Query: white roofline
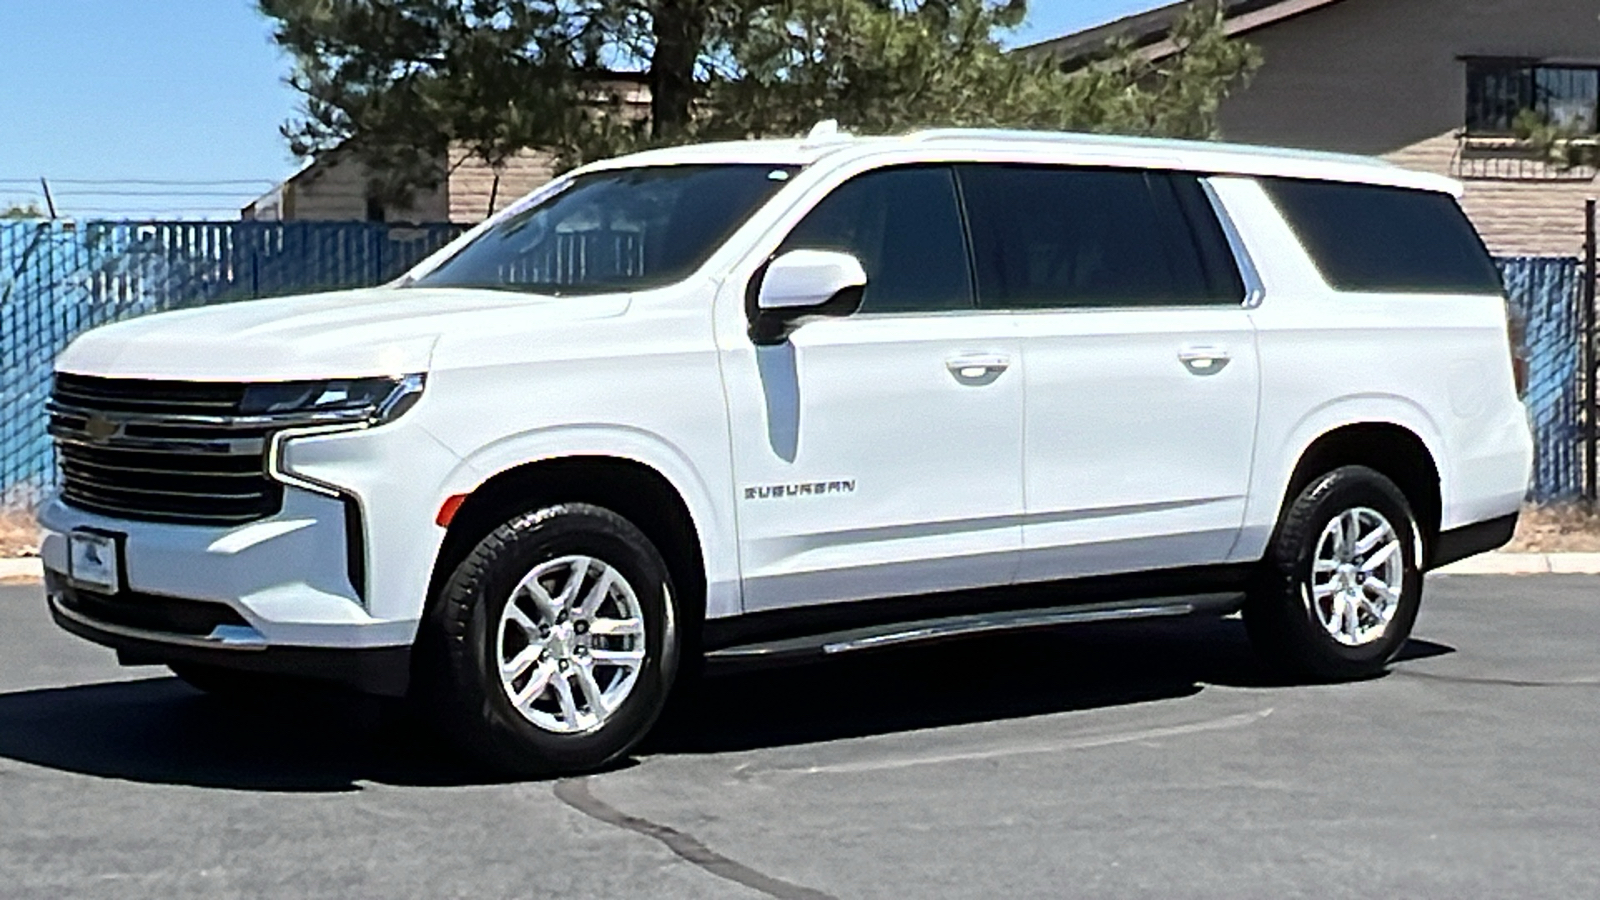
<point x="1031" y="146"/>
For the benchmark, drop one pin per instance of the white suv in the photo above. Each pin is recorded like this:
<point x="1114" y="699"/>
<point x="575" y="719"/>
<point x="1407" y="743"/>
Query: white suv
<point x="817" y="396"/>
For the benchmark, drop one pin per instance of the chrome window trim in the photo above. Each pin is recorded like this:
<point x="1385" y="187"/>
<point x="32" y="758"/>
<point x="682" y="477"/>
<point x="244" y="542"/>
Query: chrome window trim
<point x="1254" y="290"/>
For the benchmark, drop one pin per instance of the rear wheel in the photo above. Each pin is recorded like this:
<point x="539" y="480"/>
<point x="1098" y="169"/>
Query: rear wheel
<point x="1341" y="584"/>
<point x="553" y="646"/>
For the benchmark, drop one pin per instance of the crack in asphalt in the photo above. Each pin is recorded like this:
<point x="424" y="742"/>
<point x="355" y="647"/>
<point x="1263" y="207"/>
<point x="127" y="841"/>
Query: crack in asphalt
<point x="1080" y="742"/>
<point x="575" y="793"/>
<point x="1502" y="682"/>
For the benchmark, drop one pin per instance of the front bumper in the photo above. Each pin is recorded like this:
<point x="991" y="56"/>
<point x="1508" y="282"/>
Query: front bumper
<point x="384" y="671"/>
<point x="287" y="579"/>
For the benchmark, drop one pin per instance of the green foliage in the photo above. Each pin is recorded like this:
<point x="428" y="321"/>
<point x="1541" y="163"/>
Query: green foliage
<point x="397" y="82"/>
<point x="400" y="82"/>
<point x="881" y="70"/>
<point x="28" y="210"/>
<point x="1562" y="146"/>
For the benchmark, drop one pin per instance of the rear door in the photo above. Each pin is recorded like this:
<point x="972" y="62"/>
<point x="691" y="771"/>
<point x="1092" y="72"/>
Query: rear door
<point x="1141" y="380"/>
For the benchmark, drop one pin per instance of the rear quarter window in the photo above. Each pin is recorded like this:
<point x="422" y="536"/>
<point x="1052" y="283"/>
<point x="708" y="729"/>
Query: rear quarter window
<point x="1373" y="238"/>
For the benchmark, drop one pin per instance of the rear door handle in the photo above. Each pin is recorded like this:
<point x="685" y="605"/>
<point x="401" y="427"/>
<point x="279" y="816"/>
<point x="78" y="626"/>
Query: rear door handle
<point x="978" y="369"/>
<point x="1204" y="360"/>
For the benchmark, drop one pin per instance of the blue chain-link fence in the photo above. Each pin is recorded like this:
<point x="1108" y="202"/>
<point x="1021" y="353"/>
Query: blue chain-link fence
<point x="58" y="279"/>
<point x="1546" y="294"/>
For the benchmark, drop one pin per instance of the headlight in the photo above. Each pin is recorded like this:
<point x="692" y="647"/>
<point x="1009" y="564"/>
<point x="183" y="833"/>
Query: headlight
<point x="373" y="400"/>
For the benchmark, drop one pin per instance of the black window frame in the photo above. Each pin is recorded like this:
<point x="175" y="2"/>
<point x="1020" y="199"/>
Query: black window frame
<point x="1492" y="116"/>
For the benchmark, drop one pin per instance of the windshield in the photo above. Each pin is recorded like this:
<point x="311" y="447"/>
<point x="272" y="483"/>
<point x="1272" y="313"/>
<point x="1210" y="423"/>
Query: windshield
<point x="619" y="230"/>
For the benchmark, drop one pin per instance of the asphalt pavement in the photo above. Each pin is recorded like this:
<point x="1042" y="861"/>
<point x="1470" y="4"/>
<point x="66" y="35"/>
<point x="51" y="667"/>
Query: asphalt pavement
<point x="1135" y="760"/>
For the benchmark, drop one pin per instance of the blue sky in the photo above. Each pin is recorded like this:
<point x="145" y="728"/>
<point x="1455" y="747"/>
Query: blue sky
<point x="119" y="91"/>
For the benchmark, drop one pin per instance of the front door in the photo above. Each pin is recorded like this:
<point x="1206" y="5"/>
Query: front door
<point x="880" y="454"/>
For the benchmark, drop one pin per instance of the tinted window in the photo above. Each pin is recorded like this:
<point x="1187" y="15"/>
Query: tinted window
<point x="905" y="227"/>
<point x="1368" y="238"/>
<point x="1047" y="237"/>
<point x="613" y="231"/>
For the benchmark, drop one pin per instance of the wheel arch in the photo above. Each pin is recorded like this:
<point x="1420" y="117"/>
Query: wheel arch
<point x="634" y="489"/>
<point x="1394" y="450"/>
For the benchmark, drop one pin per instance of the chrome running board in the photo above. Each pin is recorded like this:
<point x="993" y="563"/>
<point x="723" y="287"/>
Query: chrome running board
<point x="925" y="630"/>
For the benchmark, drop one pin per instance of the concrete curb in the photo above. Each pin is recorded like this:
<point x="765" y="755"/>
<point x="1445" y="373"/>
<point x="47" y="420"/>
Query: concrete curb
<point x="25" y="569"/>
<point x="1525" y="564"/>
<point x="31" y="569"/>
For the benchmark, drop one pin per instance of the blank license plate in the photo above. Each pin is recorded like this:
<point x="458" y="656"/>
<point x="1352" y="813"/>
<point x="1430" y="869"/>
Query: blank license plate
<point x="92" y="561"/>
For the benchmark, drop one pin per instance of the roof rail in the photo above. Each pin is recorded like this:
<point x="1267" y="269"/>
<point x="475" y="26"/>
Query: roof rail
<point x="1130" y="142"/>
<point x="997" y="134"/>
<point x="826" y="132"/>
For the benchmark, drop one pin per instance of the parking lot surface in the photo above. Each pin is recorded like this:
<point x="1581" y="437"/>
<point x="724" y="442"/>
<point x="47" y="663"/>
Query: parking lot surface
<point x="1131" y="761"/>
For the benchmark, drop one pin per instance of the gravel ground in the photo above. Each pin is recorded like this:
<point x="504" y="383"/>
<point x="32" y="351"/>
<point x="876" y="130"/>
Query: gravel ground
<point x="19" y="536"/>
<point x="1571" y="528"/>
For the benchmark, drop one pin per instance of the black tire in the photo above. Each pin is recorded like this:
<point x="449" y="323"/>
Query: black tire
<point x="1279" y="616"/>
<point x="457" y="675"/>
<point x="237" y="685"/>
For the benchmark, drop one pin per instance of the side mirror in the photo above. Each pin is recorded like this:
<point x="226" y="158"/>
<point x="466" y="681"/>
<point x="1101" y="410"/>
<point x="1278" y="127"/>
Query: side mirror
<point x="802" y="284"/>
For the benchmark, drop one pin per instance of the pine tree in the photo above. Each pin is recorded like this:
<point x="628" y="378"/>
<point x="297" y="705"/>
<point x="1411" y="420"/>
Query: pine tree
<point x="398" y="83"/>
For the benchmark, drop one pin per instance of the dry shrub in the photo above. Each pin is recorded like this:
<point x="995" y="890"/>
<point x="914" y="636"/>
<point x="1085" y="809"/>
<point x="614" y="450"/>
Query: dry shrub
<point x="19" y="536"/>
<point x="1558" y="528"/>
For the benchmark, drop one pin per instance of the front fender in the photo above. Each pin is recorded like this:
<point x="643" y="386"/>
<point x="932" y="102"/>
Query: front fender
<point x="707" y="499"/>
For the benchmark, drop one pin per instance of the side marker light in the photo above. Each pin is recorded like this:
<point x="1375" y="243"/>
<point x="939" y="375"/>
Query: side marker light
<point x="448" y="511"/>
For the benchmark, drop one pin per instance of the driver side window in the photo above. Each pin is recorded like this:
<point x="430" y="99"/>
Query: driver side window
<point x="904" y="224"/>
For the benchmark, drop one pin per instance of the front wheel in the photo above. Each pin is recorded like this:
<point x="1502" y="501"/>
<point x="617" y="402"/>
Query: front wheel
<point x="1341" y="583"/>
<point x="553" y="646"/>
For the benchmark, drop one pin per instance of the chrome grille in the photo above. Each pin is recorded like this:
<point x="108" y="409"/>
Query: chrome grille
<point x="172" y="451"/>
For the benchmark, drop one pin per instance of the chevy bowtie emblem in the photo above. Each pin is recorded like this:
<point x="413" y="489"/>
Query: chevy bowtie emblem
<point x="100" y="429"/>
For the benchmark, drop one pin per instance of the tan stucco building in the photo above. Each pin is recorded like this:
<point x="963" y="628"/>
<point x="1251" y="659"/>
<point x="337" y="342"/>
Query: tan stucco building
<point x="333" y="187"/>
<point x="1428" y="84"/>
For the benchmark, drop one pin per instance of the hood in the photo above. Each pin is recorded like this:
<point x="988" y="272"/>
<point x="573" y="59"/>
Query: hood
<point x="379" y="331"/>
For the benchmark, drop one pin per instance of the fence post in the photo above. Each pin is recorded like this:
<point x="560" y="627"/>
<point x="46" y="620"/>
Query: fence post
<point x="1591" y="404"/>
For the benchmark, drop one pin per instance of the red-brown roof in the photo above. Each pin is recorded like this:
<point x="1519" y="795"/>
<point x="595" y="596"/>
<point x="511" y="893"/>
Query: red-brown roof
<point x="1153" y="28"/>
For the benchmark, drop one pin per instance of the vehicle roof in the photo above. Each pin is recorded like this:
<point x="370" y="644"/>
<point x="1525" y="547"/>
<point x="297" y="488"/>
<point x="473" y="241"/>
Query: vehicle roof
<point x="951" y="144"/>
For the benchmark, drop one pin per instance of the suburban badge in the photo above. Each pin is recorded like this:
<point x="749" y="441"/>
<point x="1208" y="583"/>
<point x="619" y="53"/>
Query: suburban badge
<point x="802" y="489"/>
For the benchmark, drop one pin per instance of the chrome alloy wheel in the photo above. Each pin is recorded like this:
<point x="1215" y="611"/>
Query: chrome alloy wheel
<point x="570" y="644"/>
<point x="1357" y="576"/>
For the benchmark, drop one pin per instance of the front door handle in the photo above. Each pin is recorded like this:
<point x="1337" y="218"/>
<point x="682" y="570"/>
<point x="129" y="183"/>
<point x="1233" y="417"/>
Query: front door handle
<point x="978" y="369"/>
<point x="1204" y="360"/>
